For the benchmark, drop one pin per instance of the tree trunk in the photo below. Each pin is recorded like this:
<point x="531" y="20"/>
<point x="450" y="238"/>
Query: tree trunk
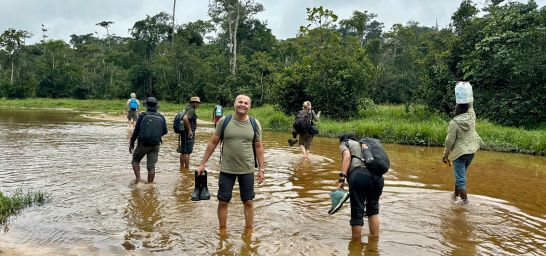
<point x="234" y="68"/>
<point x="174" y="10"/>
<point x="230" y="24"/>
<point x="12" y="68"/>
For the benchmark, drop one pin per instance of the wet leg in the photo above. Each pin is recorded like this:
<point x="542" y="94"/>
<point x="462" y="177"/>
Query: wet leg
<point x="373" y="224"/>
<point x="151" y="175"/>
<point x="356" y="231"/>
<point x="249" y="213"/>
<point x="136" y="170"/>
<point x="222" y="214"/>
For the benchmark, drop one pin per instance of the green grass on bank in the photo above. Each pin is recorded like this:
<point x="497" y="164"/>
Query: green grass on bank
<point x="391" y="124"/>
<point x="10" y="205"/>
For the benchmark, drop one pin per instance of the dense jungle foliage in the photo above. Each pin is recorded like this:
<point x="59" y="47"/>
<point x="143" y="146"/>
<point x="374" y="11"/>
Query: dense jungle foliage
<point x="343" y="65"/>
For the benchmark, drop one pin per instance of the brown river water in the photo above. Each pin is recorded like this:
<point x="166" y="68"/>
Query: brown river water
<point x="96" y="210"/>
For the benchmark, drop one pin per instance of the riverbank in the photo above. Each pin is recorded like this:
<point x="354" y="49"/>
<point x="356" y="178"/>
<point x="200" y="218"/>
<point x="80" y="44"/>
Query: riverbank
<point x="391" y="124"/>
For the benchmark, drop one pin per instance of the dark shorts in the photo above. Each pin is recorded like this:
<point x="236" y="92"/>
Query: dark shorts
<point x="227" y="181"/>
<point x="186" y="144"/>
<point x="151" y="153"/>
<point x="364" y="191"/>
<point x="306" y="139"/>
<point x="132" y="115"/>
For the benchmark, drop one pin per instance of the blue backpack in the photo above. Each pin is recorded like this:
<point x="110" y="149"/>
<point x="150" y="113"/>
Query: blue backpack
<point x="133" y="104"/>
<point x="218" y="110"/>
<point x="254" y="128"/>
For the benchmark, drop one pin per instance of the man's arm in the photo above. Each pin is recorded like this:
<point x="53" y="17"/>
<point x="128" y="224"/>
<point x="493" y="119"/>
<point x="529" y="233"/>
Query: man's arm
<point x="211" y="146"/>
<point x="136" y="131"/>
<point x="261" y="161"/>
<point x="165" y="131"/>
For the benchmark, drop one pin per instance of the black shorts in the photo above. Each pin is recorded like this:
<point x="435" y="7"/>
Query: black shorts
<point x="186" y="144"/>
<point x="365" y="189"/>
<point x="151" y="153"/>
<point x="226" y="181"/>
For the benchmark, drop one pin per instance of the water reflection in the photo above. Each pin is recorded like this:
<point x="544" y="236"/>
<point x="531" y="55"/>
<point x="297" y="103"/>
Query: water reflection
<point x="371" y="248"/>
<point x="143" y="215"/>
<point x="457" y="230"/>
<point x="95" y="210"/>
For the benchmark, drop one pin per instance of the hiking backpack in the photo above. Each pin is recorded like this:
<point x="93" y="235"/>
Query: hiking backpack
<point x="302" y="121"/>
<point x="254" y="128"/>
<point x="133" y="104"/>
<point x="378" y="162"/>
<point x="151" y="129"/>
<point x="178" y="123"/>
<point x="218" y="110"/>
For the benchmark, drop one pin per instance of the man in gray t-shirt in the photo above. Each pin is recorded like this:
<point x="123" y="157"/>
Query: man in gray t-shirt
<point x="237" y="159"/>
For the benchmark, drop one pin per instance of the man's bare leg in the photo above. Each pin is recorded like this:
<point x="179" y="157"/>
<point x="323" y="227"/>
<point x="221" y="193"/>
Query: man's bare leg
<point x="222" y="214"/>
<point x="249" y="213"/>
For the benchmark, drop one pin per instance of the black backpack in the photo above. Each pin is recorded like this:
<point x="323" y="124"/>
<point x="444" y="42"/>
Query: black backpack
<point x="151" y="129"/>
<point x="178" y="123"/>
<point x="378" y="162"/>
<point x="302" y="121"/>
<point x="254" y="128"/>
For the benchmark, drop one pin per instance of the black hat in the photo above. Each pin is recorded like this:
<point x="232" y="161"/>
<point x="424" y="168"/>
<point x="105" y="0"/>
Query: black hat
<point x="151" y="103"/>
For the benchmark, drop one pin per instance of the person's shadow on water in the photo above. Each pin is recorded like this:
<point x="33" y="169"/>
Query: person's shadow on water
<point x="457" y="231"/>
<point x="370" y="248"/>
<point x="143" y="216"/>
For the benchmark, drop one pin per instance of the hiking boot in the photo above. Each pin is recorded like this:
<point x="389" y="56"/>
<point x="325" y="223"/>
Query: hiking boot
<point x="464" y="196"/>
<point x="204" y="190"/>
<point x="291" y="142"/>
<point x="338" y="197"/>
<point x="196" y="191"/>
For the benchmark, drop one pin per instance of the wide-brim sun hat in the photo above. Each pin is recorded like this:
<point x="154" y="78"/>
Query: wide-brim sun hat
<point x="195" y="99"/>
<point x="151" y="103"/>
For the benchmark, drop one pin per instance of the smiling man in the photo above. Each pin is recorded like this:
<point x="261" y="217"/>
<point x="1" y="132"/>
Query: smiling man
<point x="241" y="155"/>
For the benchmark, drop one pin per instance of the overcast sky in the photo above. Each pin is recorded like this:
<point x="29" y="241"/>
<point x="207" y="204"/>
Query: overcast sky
<point x="284" y="17"/>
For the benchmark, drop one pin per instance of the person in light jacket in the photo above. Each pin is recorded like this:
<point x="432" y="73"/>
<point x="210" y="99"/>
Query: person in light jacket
<point x="462" y="141"/>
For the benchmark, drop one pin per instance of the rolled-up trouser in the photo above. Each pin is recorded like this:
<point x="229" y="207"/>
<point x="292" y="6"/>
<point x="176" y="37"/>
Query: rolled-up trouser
<point x="365" y="189"/>
<point x="460" y="166"/>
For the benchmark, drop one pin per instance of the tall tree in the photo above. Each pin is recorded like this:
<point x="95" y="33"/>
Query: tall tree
<point x="106" y="25"/>
<point x="229" y="14"/>
<point x="11" y="41"/>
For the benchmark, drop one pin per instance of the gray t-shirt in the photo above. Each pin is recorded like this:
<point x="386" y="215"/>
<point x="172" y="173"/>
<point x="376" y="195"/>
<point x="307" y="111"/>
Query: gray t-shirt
<point x="237" y="155"/>
<point x="192" y="117"/>
<point x="355" y="150"/>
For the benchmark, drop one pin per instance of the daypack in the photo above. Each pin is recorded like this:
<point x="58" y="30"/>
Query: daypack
<point x="178" y="123"/>
<point x="133" y="104"/>
<point x="254" y="128"/>
<point x="218" y="110"/>
<point x="302" y="121"/>
<point x="378" y="162"/>
<point x="151" y="129"/>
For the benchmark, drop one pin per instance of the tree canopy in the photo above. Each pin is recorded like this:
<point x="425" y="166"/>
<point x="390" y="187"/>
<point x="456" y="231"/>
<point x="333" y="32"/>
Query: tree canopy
<point x="341" y="64"/>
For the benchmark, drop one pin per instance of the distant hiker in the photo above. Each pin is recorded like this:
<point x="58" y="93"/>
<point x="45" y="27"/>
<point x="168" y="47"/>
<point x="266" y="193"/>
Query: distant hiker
<point x="217" y="113"/>
<point x="304" y="127"/>
<point x="187" y="135"/>
<point x="242" y="152"/>
<point x="131" y="110"/>
<point x="149" y="129"/>
<point x="462" y="141"/>
<point x="365" y="187"/>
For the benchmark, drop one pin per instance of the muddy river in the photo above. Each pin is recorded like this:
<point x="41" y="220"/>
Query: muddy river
<point x="96" y="210"/>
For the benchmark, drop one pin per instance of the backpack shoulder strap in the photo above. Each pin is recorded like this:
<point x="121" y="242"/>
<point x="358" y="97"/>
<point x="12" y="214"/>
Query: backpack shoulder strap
<point x="255" y="128"/>
<point x="224" y="125"/>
